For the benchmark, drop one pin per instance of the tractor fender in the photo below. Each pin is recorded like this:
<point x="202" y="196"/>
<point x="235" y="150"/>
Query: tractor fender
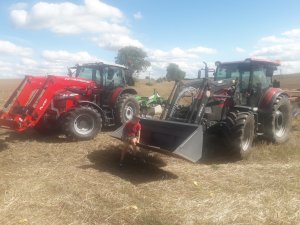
<point x="95" y="106"/>
<point x="266" y="102"/>
<point x="120" y="91"/>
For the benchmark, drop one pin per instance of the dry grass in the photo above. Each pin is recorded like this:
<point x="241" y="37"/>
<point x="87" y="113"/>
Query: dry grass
<point x="290" y="81"/>
<point x="163" y="88"/>
<point x="47" y="180"/>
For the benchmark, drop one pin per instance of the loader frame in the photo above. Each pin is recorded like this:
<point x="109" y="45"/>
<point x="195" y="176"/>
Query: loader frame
<point x="33" y="96"/>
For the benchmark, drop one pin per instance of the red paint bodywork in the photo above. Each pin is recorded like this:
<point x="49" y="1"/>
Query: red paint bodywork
<point x="32" y="98"/>
<point x="115" y="96"/>
<point x="224" y="102"/>
<point x="267" y="98"/>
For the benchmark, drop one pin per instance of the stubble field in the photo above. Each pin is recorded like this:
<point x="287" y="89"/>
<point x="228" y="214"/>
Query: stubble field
<point x="49" y="180"/>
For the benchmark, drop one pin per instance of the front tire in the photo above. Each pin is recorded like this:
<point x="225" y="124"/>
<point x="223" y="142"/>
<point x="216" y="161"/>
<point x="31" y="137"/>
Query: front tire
<point x="277" y="123"/>
<point x="241" y="128"/>
<point x="82" y="123"/>
<point x="127" y="107"/>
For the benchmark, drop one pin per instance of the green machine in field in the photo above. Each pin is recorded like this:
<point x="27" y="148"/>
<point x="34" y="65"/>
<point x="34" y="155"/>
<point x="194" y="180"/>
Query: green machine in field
<point x="151" y="105"/>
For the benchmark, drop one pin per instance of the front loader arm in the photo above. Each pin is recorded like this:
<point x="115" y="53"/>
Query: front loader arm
<point x="31" y="99"/>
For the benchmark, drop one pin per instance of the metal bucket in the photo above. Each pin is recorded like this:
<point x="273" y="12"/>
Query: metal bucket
<point x="182" y="139"/>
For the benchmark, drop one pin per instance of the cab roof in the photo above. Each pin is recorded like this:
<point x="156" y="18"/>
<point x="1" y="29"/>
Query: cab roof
<point x="101" y="64"/>
<point x="252" y="60"/>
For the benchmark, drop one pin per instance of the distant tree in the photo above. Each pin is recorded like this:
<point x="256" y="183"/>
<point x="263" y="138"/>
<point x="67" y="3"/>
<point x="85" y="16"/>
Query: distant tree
<point x="161" y="79"/>
<point x="174" y="72"/>
<point x="134" y="58"/>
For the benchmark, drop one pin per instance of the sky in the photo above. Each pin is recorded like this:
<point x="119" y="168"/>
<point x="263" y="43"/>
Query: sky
<point x="46" y="37"/>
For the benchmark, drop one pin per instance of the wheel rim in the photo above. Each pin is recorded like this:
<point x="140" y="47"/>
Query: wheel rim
<point x="129" y="111"/>
<point x="246" y="140"/>
<point x="281" y="123"/>
<point x="84" y="124"/>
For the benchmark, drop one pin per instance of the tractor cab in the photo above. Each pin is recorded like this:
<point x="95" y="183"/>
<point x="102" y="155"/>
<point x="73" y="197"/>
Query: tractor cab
<point x="110" y="79"/>
<point x="105" y="75"/>
<point x="253" y="78"/>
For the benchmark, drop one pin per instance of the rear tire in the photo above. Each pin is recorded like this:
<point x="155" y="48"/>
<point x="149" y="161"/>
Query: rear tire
<point x="127" y="107"/>
<point x="82" y="123"/>
<point x="277" y="123"/>
<point x="241" y="127"/>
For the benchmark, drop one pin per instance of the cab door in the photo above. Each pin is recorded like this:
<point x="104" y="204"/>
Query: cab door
<point x="113" y="80"/>
<point x="259" y="83"/>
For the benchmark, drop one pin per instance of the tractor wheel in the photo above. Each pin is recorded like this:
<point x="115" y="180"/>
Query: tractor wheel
<point x="277" y="123"/>
<point x="82" y="123"/>
<point x="241" y="126"/>
<point x="47" y="127"/>
<point x="127" y="106"/>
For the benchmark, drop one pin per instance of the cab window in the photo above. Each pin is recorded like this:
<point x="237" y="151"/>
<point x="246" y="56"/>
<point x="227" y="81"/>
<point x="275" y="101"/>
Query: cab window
<point x="113" y="77"/>
<point x="260" y="80"/>
<point x="89" y="73"/>
<point x="85" y="72"/>
<point x="245" y="79"/>
<point x="227" y="71"/>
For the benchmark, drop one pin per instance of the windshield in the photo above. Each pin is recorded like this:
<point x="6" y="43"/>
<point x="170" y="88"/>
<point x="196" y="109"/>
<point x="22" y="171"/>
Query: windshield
<point x="108" y="76"/>
<point x="89" y="73"/>
<point x="254" y="76"/>
<point x="227" y="71"/>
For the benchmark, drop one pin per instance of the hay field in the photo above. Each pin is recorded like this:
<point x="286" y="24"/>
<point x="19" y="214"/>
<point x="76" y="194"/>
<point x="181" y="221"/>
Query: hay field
<point x="289" y="81"/>
<point x="48" y="180"/>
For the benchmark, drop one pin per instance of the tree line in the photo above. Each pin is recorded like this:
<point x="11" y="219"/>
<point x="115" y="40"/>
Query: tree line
<point x="135" y="59"/>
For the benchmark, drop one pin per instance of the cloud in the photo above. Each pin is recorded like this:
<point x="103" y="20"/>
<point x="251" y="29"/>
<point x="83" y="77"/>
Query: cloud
<point x="240" y="50"/>
<point x="93" y="17"/>
<point x="65" y="56"/>
<point x="274" y="39"/>
<point x="189" y="60"/>
<point x="116" y="41"/>
<point x="179" y="53"/>
<point x="57" y="62"/>
<point x="9" y="48"/>
<point x="295" y="33"/>
<point x="202" y="50"/>
<point x="284" y="47"/>
<point x="19" y="6"/>
<point x="17" y="61"/>
<point x="138" y="15"/>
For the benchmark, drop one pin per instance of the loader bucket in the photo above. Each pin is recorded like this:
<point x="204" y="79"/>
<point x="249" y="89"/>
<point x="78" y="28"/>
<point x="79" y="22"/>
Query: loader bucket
<point x="182" y="139"/>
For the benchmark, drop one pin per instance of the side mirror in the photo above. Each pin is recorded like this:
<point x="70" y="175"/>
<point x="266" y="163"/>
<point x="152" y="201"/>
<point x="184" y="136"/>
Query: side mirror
<point x="276" y="84"/>
<point x="69" y="72"/>
<point x="130" y="81"/>
<point x="199" y="74"/>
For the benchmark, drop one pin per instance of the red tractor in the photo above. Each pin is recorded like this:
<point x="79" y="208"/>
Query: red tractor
<point x="240" y="103"/>
<point x="94" y="95"/>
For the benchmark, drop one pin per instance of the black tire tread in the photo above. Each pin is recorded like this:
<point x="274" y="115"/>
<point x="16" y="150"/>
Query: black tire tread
<point x="69" y="117"/>
<point x="270" y="120"/>
<point x="120" y="107"/>
<point x="236" y="122"/>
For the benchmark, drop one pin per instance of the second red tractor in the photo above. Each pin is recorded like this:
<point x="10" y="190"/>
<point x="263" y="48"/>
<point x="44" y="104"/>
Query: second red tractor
<point x="92" y="96"/>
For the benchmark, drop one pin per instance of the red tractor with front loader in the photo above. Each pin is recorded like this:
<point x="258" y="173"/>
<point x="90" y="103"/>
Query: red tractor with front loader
<point x="240" y="103"/>
<point x="92" y="96"/>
